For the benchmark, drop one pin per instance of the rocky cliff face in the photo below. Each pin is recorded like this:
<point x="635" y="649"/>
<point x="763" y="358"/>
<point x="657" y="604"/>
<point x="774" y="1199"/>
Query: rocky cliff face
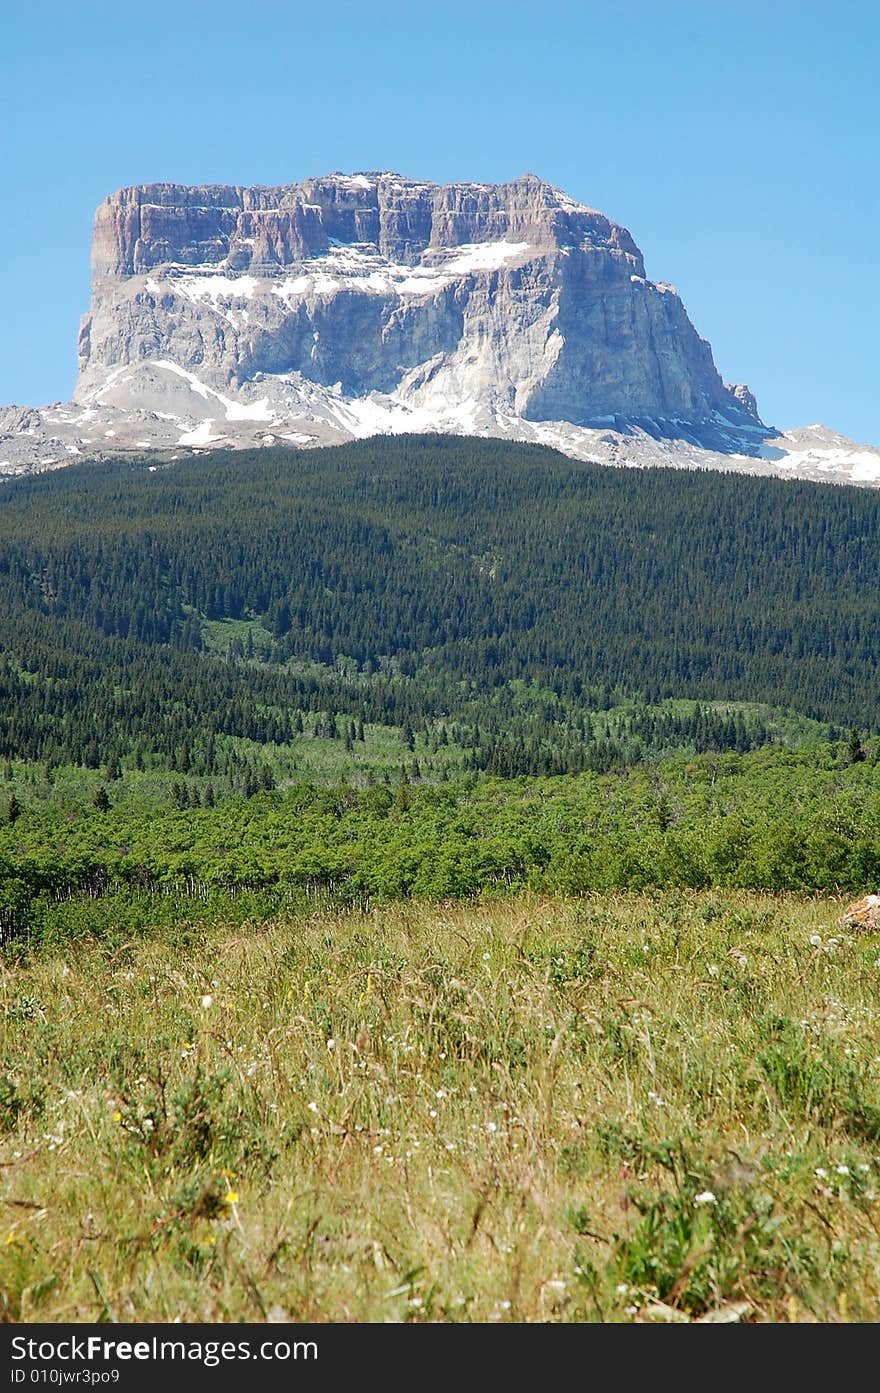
<point x="355" y="305"/>
<point x="508" y="298"/>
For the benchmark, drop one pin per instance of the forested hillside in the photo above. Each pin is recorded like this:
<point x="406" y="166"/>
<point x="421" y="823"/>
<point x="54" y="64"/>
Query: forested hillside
<point x="497" y="596"/>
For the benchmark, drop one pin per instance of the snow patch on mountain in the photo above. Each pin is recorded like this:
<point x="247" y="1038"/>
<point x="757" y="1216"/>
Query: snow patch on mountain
<point x="233" y="410"/>
<point x="346" y="266"/>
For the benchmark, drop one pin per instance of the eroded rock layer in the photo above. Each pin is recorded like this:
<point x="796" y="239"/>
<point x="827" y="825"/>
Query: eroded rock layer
<point x="510" y="296"/>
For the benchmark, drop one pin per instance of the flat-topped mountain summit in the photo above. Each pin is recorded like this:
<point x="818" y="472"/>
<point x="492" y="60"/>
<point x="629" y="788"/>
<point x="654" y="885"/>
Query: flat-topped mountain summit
<point x="356" y="304"/>
<point x="506" y="296"/>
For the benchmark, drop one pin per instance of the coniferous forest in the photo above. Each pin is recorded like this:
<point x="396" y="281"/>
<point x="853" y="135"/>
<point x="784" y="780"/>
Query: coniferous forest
<point x="408" y="579"/>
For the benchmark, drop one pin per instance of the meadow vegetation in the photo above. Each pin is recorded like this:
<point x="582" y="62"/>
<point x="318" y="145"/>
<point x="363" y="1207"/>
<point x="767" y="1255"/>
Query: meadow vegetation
<point x="612" y="1108"/>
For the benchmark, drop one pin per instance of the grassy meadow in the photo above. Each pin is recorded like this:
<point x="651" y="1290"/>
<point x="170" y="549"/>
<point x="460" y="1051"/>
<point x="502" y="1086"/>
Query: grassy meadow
<point x="610" y="1108"/>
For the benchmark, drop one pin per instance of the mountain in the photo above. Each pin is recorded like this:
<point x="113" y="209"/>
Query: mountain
<point x="511" y="297"/>
<point x="353" y="305"/>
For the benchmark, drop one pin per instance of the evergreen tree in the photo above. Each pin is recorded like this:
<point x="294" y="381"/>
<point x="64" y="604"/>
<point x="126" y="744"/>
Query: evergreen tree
<point x="855" y="748"/>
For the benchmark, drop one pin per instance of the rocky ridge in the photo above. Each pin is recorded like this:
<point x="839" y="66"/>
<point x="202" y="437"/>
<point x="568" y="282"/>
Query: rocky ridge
<point x="352" y="305"/>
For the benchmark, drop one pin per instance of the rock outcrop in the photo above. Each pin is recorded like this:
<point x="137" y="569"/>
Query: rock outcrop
<point x="862" y="915"/>
<point x="361" y="304"/>
<point x="511" y="296"/>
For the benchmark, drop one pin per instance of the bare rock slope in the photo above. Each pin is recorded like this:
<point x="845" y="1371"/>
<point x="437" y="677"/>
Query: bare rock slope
<point x="352" y="305"/>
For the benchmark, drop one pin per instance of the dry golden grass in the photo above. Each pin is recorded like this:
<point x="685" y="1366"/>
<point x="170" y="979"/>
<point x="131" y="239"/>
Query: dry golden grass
<point x="608" y="1109"/>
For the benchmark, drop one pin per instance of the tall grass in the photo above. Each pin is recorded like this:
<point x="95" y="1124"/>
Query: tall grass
<point x="606" y="1109"/>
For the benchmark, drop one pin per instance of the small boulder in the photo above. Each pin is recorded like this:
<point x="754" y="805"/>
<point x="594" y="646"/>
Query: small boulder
<point x="862" y="914"/>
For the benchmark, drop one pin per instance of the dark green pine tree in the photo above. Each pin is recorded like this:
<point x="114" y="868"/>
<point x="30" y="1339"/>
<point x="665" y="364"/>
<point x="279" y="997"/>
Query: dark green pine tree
<point x="855" y="748"/>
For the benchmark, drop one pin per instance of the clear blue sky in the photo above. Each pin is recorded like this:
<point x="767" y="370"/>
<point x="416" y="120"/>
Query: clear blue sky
<point x="738" y="143"/>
